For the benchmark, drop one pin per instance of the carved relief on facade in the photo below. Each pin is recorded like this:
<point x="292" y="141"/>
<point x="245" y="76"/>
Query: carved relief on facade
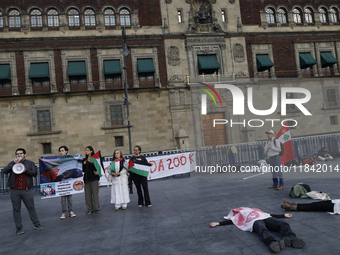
<point x="174" y="97"/>
<point x="173" y="56"/>
<point x="238" y="51"/>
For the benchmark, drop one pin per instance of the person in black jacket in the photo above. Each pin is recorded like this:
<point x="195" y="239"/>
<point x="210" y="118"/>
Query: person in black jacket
<point x="91" y="180"/>
<point x="141" y="181"/>
<point x="263" y="227"/>
<point x="21" y="185"/>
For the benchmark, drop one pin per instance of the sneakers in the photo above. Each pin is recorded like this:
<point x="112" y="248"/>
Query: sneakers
<point x="124" y="208"/>
<point x="97" y="212"/>
<point x="117" y="208"/>
<point x="38" y="227"/>
<point x="72" y="214"/>
<point x="140" y="205"/>
<point x="88" y="212"/>
<point x="273" y="187"/>
<point x="20" y="231"/>
<point x="149" y="205"/>
<point x="63" y="216"/>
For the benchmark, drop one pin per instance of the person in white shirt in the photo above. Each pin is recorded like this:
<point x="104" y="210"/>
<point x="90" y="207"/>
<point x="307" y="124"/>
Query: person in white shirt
<point x="272" y="149"/>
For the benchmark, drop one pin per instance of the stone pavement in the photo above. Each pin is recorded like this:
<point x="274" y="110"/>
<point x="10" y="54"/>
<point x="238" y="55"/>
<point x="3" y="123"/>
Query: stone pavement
<point x="178" y="221"/>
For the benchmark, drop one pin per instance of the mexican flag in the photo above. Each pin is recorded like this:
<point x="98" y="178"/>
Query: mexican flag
<point x="139" y="169"/>
<point x="285" y="138"/>
<point x="98" y="163"/>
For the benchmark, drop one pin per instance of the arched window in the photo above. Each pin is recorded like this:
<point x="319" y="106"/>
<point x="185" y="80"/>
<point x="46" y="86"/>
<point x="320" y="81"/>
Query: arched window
<point x="73" y="18"/>
<point x="52" y="18"/>
<point x="109" y="16"/>
<point x="308" y="15"/>
<point x="14" y="18"/>
<point x="297" y="16"/>
<point x="90" y="19"/>
<point x="1" y="20"/>
<point x="282" y="15"/>
<point x="323" y="15"/>
<point x="270" y="16"/>
<point x="36" y="18"/>
<point x="125" y="18"/>
<point x="334" y="15"/>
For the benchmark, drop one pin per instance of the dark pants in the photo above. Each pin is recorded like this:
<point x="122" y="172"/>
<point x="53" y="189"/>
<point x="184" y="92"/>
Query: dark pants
<point x="322" y="206"/>
<point x="141" y="181"/>
<point x="92" y="196"/>
<point x="27" y="197"/>
<point x="263" y="228"/>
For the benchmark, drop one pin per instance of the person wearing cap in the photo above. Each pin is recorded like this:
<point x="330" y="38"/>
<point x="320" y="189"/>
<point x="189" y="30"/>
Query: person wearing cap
<point x="272" y="149"/>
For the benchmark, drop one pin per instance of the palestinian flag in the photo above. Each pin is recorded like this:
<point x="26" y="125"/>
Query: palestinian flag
<point x="115" y="165"/>
<point x="285" y="138"/>
<point x="98" y="163"/>
<point x="138" y="169"/>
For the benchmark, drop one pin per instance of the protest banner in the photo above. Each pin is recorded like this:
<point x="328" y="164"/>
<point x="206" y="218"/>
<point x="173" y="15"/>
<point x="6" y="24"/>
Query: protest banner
<point x="61" y="175"/>
<point x="162" y="166"/>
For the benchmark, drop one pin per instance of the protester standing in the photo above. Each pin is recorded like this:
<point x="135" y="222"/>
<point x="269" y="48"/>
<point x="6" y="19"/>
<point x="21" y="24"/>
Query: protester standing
<point x="272" y="149"/>
<point x="63" y="150"/>
<point x="139" y="180"/>
<point x="119" y="181"/>
<point x="20" y="186"/>
<point x="91" y="180"/>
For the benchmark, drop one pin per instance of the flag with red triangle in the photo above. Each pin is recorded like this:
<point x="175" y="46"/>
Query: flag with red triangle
<point x="285" y="138"/>
<point x="98" y="163"/>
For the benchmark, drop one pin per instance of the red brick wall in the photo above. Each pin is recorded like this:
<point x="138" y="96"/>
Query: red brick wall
<point x="19" y="58"/>
<point x="58" y="70"/>
<point x="250" y="9"/>
<point x="283" y="51"/>
<point x="149" y="11"/>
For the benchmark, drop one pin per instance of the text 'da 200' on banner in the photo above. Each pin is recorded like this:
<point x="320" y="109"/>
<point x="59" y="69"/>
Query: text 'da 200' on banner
<point x="61" y="175"/>
<point x="168" y="165"/>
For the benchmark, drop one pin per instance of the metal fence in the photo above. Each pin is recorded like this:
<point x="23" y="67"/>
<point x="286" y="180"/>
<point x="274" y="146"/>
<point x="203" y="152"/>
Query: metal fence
<point x="250" y="153"/>
<point x="247" y="154"/>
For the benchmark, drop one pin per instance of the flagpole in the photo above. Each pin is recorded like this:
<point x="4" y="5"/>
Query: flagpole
<point x="126" y="52"/>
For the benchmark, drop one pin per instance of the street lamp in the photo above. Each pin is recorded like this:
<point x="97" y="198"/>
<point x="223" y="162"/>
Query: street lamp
<point x="126" y="52"/>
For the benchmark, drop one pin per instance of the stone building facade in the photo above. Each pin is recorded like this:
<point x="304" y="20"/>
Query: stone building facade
<point x="61" y="71"/>
<point x="62" y="77"/>
<point x="263" y="45"/>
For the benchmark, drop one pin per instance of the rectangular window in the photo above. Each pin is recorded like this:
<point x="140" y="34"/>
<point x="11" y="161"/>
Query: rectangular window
<point x="146" y="80"/>
<point x="223" y="16"/>
<point x="179" y="14"/>
<point x="44" y="120"/>
<point x="291" y="107"/>
<point x="47" y="148"/>
<point x="78" y="83"/>
<point x="334" y="120"/>
<point x="113" y="81"/>
<point x="119" y="141"/>
<point x="116" y="115"/>
<point x="5" y="87"/>
<point x="331" y="97"/>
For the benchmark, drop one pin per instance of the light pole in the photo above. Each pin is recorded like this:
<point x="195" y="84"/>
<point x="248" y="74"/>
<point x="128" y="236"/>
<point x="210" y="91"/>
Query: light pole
<point x="126" y="52"/>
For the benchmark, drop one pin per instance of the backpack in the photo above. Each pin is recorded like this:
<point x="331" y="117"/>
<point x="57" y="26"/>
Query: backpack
<point x="282" y="148"/>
